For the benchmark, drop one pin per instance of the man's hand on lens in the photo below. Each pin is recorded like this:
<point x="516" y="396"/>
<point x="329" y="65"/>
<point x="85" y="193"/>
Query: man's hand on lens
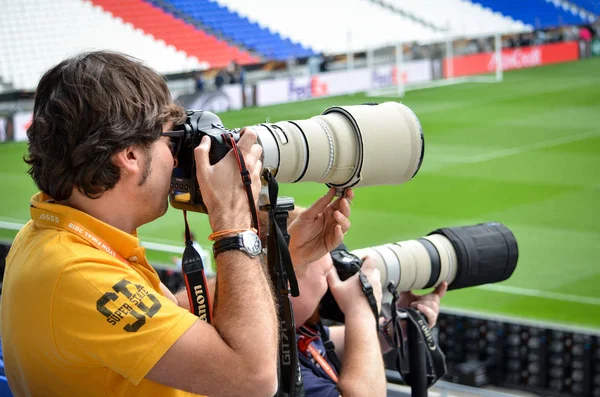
<point x="319" y="229"/>
<point x="349" y="294"/>
<point x="221" y="183"/>
<point x="428" y="304"/>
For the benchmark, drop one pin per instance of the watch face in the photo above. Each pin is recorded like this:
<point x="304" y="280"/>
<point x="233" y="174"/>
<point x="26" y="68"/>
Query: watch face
<point x="251" y="243"/>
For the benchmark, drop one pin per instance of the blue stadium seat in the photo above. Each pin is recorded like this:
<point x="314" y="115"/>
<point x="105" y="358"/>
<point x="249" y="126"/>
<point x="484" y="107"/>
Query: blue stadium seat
<point x="4" y="389"/>
<point x="240" y="30"/>
<point x="538" y="13"/>
<point x="592" y="6"/>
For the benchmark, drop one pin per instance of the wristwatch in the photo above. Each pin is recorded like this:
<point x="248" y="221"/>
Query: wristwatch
<point x="247" y="242"/>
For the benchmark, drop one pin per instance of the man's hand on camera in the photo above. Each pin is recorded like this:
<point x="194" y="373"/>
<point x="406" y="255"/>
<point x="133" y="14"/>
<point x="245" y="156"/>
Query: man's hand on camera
<point x="349" y="294"/>
<point x="221" y="183"/>
<point x="319" y="229"/>
<point x="428" y="304"/>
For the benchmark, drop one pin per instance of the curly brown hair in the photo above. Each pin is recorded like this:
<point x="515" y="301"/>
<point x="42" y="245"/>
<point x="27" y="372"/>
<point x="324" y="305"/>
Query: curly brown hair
<point x="88" y="108"/>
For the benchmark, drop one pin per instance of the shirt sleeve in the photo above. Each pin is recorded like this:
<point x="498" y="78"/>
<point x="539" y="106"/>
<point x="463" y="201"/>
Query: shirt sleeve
<point x="106" y="314"/>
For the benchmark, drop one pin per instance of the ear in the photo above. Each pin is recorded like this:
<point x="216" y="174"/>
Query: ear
<point x="129" y="161"/>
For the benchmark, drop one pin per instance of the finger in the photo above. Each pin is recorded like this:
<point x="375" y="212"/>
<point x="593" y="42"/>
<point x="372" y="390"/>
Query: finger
<point x="441" y="289"/>
<point x="408" y="296"/>
<point x="342" y="221"/>
<point x="247" y="140"/>
<point x="435" y="306"/>
<point x="349" y="194"/>
<point x="251" y="158"/>
<point x="256" y="150"/>
<point x="368" y="263"/>
<point x="256" y="172"/>
<point x="333" y="279"/>
<point x="201" y="154"/>
<point x="319" y="205"/>
<point x="429" y="313"/>
<point x="335" y="239"/>
<point x="375" y="278"/>
<point x="343" y="205"/>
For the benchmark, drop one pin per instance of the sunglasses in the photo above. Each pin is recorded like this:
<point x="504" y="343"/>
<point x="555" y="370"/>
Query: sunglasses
<point x="175" y="140"/>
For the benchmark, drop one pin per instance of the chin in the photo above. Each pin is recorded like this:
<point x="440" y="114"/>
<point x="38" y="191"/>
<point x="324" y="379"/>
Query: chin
<point x="165" y="207"/>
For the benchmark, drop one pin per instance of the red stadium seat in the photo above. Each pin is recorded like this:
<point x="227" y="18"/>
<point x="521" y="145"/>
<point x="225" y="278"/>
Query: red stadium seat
<point x="176" y="32"/>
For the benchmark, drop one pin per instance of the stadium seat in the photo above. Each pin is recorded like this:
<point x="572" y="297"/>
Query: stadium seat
<point x="333" y="26"/>
<point x="592" y="6"/>
<point x="174" y="31"/>
<point x="537" y="13"/>
<point x="239" y="29"/>
<point x="4" y="389"/>
<point x="460" y="17"/>
<point x="37" y="34"/>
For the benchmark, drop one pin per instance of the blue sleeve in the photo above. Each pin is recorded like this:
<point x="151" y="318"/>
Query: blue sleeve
<point x="316" y="386"/>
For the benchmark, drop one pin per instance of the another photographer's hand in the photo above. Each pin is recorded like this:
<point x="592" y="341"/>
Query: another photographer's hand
<point x="428" y="304"/>
<point x="349" y="294"/>
<point x="221" y="184"/>
<point x="319" y="229"/>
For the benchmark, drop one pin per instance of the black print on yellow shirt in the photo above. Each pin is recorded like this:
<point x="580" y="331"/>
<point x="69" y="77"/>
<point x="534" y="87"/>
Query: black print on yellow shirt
<point x="137" y="297"/>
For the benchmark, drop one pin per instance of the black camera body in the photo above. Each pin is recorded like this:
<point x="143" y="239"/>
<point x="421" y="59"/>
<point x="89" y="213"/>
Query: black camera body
<point x="346" y="264"/>
<point x="185" y="193"/>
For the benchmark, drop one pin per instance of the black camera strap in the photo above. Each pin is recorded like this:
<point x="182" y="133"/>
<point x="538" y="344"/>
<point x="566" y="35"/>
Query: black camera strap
<point x="329" y="347"/>
<point x="283" y="278"/>
<point x="368" y="291"/>
<point x="246" y="180"/>
<point x="435" y="359"/>
<point x="195" y="278"/>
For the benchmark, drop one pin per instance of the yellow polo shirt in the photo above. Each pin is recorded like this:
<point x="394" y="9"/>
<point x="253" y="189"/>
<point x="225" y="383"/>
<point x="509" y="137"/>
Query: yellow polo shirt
<point x="76" y="320"/>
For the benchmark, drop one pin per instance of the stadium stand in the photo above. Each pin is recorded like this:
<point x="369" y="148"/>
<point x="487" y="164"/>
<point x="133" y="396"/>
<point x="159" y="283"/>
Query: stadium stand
<point x="538" y="13"/>
<point x="4" y="389"/>
<point x="368" y="24"/>
<point x="239" y="29"/>
<point x="459" y="17"/>
<point x="592" y="6"/>
<point x="71" y="26"/>
<point x="174" y="31"/>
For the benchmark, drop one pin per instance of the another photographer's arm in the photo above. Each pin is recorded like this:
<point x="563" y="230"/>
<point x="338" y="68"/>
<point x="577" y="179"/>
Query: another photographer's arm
<point x="363" y="372"/>
<point x="317" y="230"/>
<point x="222" y="359"/>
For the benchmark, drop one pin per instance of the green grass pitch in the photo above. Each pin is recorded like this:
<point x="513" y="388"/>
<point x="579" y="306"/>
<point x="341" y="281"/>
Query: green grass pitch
<point x="525" y="152"/>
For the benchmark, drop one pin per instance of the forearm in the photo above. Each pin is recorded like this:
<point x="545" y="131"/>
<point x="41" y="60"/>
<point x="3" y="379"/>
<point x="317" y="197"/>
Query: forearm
<point x="363" y="371"/>
<point x="244" y="303"/>
<point x="337" y="336"/>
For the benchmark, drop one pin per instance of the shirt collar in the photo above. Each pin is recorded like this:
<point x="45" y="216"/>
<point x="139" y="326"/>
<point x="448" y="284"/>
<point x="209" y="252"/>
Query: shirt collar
<point x="128" y="245"/>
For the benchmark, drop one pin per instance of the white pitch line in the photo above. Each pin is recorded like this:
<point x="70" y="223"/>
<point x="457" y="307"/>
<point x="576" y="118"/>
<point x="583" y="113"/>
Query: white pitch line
<point x="455" y="160"/>
<point x="541" y="294"/>
<point x="530" y="147"/>
<point x="11" y="225"/>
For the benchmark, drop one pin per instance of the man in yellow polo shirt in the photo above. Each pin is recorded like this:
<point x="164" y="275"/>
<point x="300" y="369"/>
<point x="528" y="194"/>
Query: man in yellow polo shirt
<point x="83" y="313"/>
